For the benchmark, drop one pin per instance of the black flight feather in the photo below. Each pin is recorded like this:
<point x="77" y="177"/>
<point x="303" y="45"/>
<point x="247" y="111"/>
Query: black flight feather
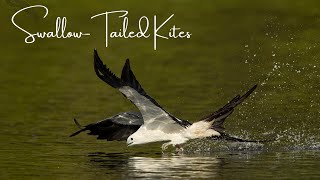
<point x="116" y="128"/>
<point x="220" y="115"/>
<point x="104" y="73"/>
<point x="226" y="137"/>
<point x="127" y="79"/>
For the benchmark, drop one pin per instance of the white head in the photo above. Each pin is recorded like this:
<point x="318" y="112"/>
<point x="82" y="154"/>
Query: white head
<point x="142" y="136"/>
<point x="136" y="138"/>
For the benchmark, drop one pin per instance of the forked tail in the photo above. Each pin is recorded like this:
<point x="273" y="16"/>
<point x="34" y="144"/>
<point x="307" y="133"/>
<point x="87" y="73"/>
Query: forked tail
<point x="79" y="126"/>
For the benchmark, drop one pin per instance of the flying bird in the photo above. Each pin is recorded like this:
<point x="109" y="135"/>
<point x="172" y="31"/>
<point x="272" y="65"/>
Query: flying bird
<point x="159" y="125"/>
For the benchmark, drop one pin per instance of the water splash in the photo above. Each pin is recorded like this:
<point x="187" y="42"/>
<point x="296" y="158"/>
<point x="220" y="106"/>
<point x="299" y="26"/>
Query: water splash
<point x="286" y="140"/>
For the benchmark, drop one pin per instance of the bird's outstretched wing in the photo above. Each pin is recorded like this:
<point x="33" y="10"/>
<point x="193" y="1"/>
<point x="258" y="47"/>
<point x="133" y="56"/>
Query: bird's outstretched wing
<point x="219" y="116"/>
<point x="115" y="128"/>
<point x="154" y="116"/>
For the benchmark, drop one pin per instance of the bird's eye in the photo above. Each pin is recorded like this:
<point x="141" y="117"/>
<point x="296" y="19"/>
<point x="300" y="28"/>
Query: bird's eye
<point x="131" y="139"/>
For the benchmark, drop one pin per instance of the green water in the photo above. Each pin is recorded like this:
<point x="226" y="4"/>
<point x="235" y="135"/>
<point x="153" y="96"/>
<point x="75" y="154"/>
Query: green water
<point x="234" y="45"/>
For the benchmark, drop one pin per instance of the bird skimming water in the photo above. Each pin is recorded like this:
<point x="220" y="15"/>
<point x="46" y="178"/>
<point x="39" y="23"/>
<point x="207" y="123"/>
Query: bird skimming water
<point x="159" y="125"/>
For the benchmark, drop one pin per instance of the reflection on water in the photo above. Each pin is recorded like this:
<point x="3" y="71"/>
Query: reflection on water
<point x="246" y="164"/>
<point x="162" y="166"/>
<point x="212" y="159"/>
<point x="174" y="167"/>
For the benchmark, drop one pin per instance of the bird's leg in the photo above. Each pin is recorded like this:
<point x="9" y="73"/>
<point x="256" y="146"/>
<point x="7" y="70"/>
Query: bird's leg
<point x="165" y="146"/>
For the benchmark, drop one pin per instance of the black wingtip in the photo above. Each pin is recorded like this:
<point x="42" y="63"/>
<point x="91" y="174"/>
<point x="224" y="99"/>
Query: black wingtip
<point x="247" y="94"/>
<point x="127" y="73"/>
<point x="96" y="57"/>
<point x="227" y="137"/>
<point x="104" y="73"/>
<point x="220" y="115"/>
<point x="129" y="79"/>
<point x="95" y="52"/>
<point x="126" y="67"/>
<point x="254" y="87"/>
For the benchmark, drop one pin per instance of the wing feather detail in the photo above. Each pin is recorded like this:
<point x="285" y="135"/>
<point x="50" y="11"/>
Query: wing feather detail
<point x="129" y="86"/>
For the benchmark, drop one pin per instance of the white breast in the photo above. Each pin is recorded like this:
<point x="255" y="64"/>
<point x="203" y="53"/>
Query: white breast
<point x="146" y="135"/>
